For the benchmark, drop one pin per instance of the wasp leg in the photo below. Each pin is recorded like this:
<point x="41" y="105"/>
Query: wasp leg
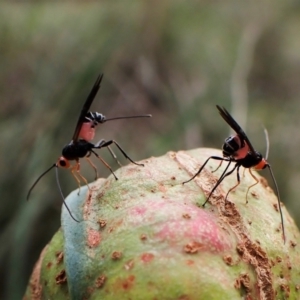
<point x="244" y="172"/>
<point x="255" y="178"/>
<point x="220" y="164"/>
<point x="76" y="172"/>
<point x="202" y="167"/>
<point x="100" y="145"/>
<point x="103" y="143"/>
<point x="105" y="164"/>
<point x="224" y="174"/>
<point x="92" y="165"/>
<point x="237" y="167"/>
<point x="114" y="156"/>
<point x="222" y="177"/>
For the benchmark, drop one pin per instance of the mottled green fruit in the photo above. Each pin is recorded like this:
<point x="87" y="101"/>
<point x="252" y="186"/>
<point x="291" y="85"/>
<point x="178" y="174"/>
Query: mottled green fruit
<point x="146" y="236"/>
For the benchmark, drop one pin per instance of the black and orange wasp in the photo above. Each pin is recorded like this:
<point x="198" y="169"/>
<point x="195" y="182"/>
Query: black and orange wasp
<point x="239" y="150"/>
<point x="80" y="145"/>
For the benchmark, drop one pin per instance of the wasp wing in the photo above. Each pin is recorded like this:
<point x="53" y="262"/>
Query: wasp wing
<point x="86" y="107"/>
<point x="235" y="126"/>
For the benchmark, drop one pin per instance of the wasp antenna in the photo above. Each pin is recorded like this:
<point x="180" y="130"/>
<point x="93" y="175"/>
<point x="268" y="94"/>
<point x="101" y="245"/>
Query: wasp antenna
<point x="129" y="117"/>
<point x="278" y="197"/>
<point x="267" y="142"/>
<point x="63" y="198"/>
<point x="38" y="179"/>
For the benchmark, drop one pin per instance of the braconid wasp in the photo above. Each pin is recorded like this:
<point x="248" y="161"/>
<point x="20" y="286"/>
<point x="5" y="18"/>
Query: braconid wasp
<point x="80" y="145"/>
<point x="238" y="149"/>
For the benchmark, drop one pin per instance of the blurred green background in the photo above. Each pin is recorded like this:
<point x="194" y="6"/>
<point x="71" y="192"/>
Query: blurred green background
<point x="173" y="59"/>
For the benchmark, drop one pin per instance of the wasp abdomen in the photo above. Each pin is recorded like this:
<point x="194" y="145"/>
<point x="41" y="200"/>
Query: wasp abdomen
<point x="231" y="145"/>
<point x="96" y="117"/>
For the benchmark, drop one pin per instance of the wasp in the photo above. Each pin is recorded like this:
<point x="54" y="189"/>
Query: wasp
<point x="238" y="150"/>
<point x="81" y="146"/>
